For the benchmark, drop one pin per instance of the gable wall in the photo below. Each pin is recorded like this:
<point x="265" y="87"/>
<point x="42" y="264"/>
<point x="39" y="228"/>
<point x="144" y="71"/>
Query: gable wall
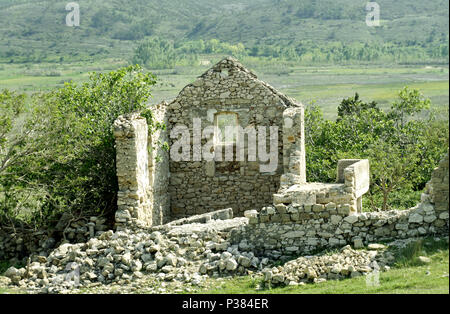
<point x="202" y="186"/>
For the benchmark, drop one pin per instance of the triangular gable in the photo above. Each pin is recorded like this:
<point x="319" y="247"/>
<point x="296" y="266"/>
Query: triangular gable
<point x="224" y="76"/>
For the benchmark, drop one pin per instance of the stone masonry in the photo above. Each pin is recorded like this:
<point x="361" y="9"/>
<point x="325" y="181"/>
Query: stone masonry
<point x="203" y="186"/>
<point x="286" y="214"/>
<point x="437" y="188"/>
<point x="197" y="186"/>
<point x="289" y="228"/>
<point x="175" y="217"/>
<point x="142" y="170"/>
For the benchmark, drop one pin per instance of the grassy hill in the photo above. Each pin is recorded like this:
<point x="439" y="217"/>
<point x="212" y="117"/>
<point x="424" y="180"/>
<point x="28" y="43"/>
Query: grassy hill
<point x="315" y="50"/>
<point x="35" y="30"/>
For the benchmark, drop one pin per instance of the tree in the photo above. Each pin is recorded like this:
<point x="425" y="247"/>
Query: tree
<point x="11" y="107"/>
<point x="388" y="166"/>
<point x="22" y="134"/>
<point x="403" y="144"/>
<point x="73" y="163"/>
<point x="155" y="53"/>
<point x="410" y="103"/>
<point x="354" y="106"/>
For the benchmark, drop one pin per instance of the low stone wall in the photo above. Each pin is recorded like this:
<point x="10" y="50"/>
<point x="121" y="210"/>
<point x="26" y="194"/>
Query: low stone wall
<point x="299" y="201"/>
<point x="223" y="214"/>
<point x="18" y="244"/>
<point x="331" y="228"/>
<point x="293" y="229"/>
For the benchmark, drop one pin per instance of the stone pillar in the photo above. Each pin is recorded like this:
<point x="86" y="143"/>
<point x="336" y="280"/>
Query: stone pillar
<point x="158" y="167"/>
<point x="437" y="191"/>
<point x="131" y="134"/>
<point x="439" y="182"/>
<point x="359" y="204"/>
<point x="294" y="156"/>
<point x="355" y="174"/>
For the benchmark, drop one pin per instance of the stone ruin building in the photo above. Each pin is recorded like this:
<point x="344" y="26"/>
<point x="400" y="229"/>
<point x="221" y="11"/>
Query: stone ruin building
<point x="182" y="215"/>
<point x="155" y="192"/>
<point x="286" y="214"/>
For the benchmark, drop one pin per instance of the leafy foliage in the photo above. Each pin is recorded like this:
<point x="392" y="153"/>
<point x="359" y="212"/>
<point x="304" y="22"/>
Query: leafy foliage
<point x="74" y="161"/>
<point x="21" y="136"/>
<point x="402" y="149"/>
<point x="158" y="53"/>
<point x="331" y="31"/>
<point x="354" y="105"/>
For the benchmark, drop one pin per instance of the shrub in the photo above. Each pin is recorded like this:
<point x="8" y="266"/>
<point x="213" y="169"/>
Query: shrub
<point x="403" y="145"/>
<point x="73" y="159"/>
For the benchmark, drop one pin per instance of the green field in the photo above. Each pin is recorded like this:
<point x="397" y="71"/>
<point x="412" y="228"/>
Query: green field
<point x="326" y="85"/>
<point x="431" y="279"/>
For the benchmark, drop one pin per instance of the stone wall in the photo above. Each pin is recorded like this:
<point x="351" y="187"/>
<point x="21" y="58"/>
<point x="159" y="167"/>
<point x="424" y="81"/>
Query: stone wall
<point x="346" y="195"/>
<point x="294" y="154"/>
<point x="17" y="244"/>
<point x="153" y="193"/>
<point x="142" y="170"/>
<point x="355" y="174"/>
<point x="292" y="229"/>
<point x="437" y="188"/>
<point x="203" y="186"/>
<point x="131" y="133"/>
<point x="159" y="168"/>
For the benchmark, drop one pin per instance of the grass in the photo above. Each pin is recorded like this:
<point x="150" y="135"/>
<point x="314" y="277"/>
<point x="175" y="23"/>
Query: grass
<point x="40" y="77"/>
<point x="10" y="291"/>
<point x="408" y="276"/>
<point x="424" y="279"/>
<point x="324" y="85"/>
<point x="327" y="86"/>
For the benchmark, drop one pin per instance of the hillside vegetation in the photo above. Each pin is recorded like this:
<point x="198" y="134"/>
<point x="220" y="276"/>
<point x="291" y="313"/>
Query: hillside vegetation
<point x="302" y="31"/>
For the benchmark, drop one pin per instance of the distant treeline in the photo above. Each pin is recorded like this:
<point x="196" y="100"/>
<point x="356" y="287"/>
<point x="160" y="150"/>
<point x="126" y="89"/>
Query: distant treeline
<point x="159" y="53"/>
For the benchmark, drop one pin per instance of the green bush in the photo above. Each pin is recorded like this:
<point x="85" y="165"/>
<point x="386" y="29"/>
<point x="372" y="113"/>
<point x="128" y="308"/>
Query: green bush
<point x="403" y="146"/>
<point x="72" y="163"/>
